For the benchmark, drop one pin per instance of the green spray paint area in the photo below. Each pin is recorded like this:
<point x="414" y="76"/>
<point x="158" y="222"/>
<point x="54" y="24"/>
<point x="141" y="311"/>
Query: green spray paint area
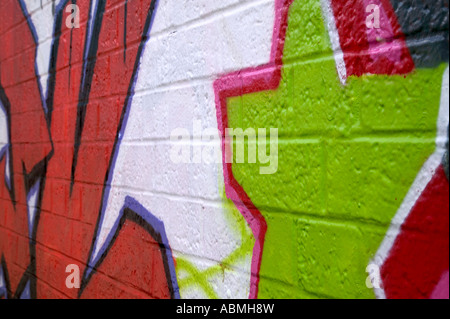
<point x="347" y="157"/>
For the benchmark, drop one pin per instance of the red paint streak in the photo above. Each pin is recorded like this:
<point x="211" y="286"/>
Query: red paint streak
<point x="140" y="275"/>
<point x="420" y="254"/>
<point x="363" y="54"/>
<point x="266" y="77"/>
<point x="68" y="220"/>
<point x="29" y="136"/>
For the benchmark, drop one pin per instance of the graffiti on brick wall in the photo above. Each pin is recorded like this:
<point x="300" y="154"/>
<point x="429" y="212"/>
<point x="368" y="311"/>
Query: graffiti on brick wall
<point x="85" y="160"/>
<point x="304" y="99"/>
<point x="52" y="165"/>
<point x="67" y="214"/>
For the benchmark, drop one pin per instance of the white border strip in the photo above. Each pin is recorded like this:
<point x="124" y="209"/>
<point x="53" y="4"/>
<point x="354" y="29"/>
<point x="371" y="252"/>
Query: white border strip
<point x="335" y="40"/>
<point x="423" y="178"/>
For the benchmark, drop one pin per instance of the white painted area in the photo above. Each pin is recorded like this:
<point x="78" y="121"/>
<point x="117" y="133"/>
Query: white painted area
<point x="192" y="43"/>
<point x="442" y="136"/>
<point x="2" y="281"/>
<point x="32" y="205"/>
<point x="3" y="129"/>
<point x="7" y="171"/>
<point x="335" y="41"/>
<point x="174" y="88"/>
<point x="423" y="178"/>
<point x="4" y="140"/>
<point x="43" y="22"/>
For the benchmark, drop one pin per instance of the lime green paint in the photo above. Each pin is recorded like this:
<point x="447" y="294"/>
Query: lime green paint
<point x="347" y="157"/>
<point x="202" y="279"/>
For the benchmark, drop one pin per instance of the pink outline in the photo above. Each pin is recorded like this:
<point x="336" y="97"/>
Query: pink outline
<point x="441" y="289"/>
<point x="263" y="78"/>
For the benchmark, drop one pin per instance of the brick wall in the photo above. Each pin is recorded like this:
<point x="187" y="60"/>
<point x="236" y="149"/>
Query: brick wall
<point x="118" y="178"/>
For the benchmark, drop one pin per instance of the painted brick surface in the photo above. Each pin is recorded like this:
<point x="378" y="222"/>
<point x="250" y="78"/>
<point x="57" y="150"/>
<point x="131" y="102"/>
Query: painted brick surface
<point x="357" y="206"/>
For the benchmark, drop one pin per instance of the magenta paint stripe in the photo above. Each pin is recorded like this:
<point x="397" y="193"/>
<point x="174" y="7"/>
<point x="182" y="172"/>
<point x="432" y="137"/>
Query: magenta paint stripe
<point x="266" y="77"/>
<point x="366" y="50"/>
<point x="441" y="291"/>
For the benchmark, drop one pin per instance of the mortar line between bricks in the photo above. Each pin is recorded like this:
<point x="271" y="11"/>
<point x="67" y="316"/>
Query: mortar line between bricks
<point x="50" y="286"/>
<point x="182" y="253"/>
<point x="55" y="253"/>
<point x="37" y="242"/>
<point x="199" y="21"/>
<point x="206" y="79"/>
<point x="81" y="221"/>
<point x="176" y="85"/>
<point x="15" y="232"/>
<point x="54" y="214"/>
<point x="248" y="4"/>
<point x="358" y="222"/>
<point x="214" y="262"/>
<point x="122" y="285"/>
<point x="14" y="26"/>
<point x="38" y="8"/>
<point x="378" y="137"/>
<point x="83" y="21"/>
<point x="207" y="271"/>
<point x="328" y="219"/>
<point x="28" y="79"/>
<point x="49" y="249"/>
<point x="417" y="39"/>
<point x="199" y="258"/>
<point x="356" y="51"/>
<point x="195" y="81"/>
<point x="185" y="83"/>
<point x="210" y="17"/>
<point x="109" y="52"/>
<point x="212" y="201"/>
<point x="320" y="295"/>
<point x="22" y="52"/>
<point x="310" y="294"/>
<point x="169" y="30"/>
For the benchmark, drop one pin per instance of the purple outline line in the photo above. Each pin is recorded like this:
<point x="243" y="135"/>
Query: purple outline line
<point x="26" y="293"/>
<point x="3" y="292"/>
<point x="112" y="166"/>
<point x="34" y="34"/>
<point x="4" y="152"/>
<point x="34" y="190"/>
<point x="158" y="227"/>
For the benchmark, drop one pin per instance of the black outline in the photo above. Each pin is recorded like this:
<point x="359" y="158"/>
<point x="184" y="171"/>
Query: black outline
<point x="125" y="32"/>
<point x="6" y="277"/>
<point x="85" y="87"/>
<point x="7" y="106"/>
<point x="132" y="216"/>
<point x="144" y="39"/>
<point x="445" y="160"/>
<point x="39" y="171"/>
